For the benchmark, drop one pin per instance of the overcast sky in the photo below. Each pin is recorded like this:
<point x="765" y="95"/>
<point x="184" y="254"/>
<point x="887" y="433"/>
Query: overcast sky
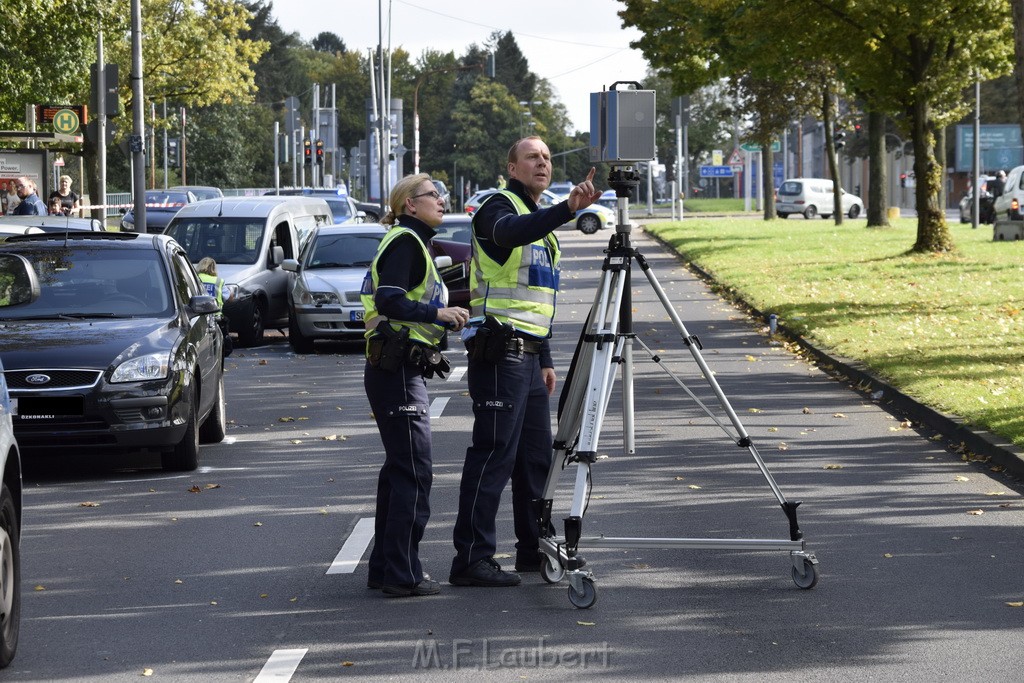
<point x="579" y="46"/>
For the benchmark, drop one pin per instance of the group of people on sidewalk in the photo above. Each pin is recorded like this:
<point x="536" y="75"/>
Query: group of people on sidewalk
<point x="20" y="198"/>
<point x="514" y="283"/>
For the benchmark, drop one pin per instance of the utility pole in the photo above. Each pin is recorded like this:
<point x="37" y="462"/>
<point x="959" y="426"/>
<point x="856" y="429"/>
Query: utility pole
<point x="137" y="141"/>
<point x="101" y="127"/>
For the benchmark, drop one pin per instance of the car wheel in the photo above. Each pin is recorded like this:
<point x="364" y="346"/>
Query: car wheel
<point x="300" y="343"/>
<point x="184" y="457"/>
<point x="252" y="335"/>
<point x="810" y="212"/>
<point x="10" y="577"/>
<point x="854" y="211"/>
<point x="215" y="425"/>
<point x="588" y="224"/>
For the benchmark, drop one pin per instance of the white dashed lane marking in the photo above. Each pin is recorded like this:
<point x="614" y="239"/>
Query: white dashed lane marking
<point x="281" y="666"/>
<point x="355" y="546"/>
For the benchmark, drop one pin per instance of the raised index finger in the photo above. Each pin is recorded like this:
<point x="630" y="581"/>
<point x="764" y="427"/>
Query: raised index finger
<point x="590" y="176"/>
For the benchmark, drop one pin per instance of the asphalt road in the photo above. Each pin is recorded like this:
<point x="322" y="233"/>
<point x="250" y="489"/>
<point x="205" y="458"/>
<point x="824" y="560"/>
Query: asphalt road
<point x="253" y="567"/>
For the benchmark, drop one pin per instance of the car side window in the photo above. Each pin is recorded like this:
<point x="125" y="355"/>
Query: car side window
<point x="282" y="238"/>
<point x="185" y="279"/>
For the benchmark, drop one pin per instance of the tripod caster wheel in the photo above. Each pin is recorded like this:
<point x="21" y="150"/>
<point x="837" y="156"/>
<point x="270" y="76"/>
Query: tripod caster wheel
<point x="586" y="598"/>
<point x="551" y="570"/>
<point x="809" y="579"/>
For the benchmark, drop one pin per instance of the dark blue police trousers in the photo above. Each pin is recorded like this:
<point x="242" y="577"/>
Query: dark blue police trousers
<point x="401" y="408"/>
<point x="511" y="440"/>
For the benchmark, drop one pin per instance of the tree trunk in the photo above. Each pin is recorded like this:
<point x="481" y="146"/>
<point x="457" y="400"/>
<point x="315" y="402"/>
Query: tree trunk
<point x="878" y="197"/>
<point x="932" y="231"/>
<point x="1018" y="49"/>
<point x="830" y="151"/>
<point x="768" y="180"/>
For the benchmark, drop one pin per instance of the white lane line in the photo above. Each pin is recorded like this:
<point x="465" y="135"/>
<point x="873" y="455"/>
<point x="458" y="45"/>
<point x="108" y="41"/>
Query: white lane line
<point x="456" y="374"/>
<point x="229" y="440"/>
<point x="355" y="546"/>
<point x="437" y="407"/>
<point x="281" y="666"/>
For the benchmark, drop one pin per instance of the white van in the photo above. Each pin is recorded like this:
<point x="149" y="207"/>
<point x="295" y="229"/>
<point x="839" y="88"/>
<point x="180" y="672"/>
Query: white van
<point x="812" y="197"/>
<point x="1009" y="205"/>
<point x="249" y="237"/>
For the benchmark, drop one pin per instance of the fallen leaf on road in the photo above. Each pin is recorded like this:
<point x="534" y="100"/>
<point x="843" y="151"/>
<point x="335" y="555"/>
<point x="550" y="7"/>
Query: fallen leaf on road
<point x="1015" y="604"/>
<point x="838" y="415"/>
<point x="754" y="410"/>
<point x="347" y="663"/>
<point x="195" y="489"/>
<point x="807" y="411"/>
<point x="296" y="441"/>
<point x="40" y="588"/>
<point x="833" y="467"/>
<point x="212" y="486"/>
<point x="996" y="493"/>
<point x="773" y="429"/>
<point x="587" y="623"/>
<point x="286" y="419"/>
<point x="178" y="581"/>
<point x="694" y="486"/>
<point x="752" y="359"/>
<point x="263" y="361"/>
<point x="888" y="555"/>
<point x="961" y="477"/>
<point x="149" y="672"/>
<point x="264" y="595"/>
<point x="88" y="504"/>
<point x="783" y="446"/>
<point x="680" y="478"/>
<point x="257" y="523"/>
<point x="975" y="512"/>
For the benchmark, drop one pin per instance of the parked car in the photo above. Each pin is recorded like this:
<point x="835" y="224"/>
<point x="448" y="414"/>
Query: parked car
<point x="324" y="284"/>
<point x="371" y="211"/>
<point x="562" y="188"/>
<point x="986" y="203"/>
<point x="249" y="237"/>
<point x="343" y="207"/>
<point x="161" y="205"/>
<point x="1010" y="204"/>
<point x="121" y="350"/>
<point x="474" y="202"/>
<point x="200" y="191"/>
<point x="812" y="197"/>
<point x="454" y="239"/>
<point x="53" y="223"/>
<point x="20" y="285"/>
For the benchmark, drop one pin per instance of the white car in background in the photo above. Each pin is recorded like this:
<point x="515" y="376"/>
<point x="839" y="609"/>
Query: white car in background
<point x="588" y="221"/>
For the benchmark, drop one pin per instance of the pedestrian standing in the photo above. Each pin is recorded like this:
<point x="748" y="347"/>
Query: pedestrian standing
<point x="406" y="318"/>
<point x="514" y="283"/>
<point x="30" y="204"/>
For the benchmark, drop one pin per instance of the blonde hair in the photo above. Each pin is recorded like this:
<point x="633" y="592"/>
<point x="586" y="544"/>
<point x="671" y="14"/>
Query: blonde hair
<point x="65" y="177"/>
<point x="207" y="266"/>
<point x="403" y="189"/>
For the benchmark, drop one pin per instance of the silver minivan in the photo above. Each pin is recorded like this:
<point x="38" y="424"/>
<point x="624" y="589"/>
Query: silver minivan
<point x="249" y="237"/>
<point x="813" y="197"/>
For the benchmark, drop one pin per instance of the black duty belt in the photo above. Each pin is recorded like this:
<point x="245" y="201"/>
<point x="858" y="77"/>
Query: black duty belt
<point x="517" y="345"/>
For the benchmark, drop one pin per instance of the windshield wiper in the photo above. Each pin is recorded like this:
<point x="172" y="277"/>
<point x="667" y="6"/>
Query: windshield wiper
<point x="67" y="316"/>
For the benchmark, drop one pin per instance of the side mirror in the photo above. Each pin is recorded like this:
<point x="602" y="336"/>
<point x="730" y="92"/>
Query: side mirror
<point x="19" y="284"/>
<point x="443" y="261"/>
<point x="203" y="303"/>
<point x="276" y="255"/>
<point x="291" y="265"/>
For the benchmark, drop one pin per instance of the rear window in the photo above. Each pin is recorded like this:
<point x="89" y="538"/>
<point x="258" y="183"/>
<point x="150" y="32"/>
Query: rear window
<point x="225" y="240"/>
<point x="790" y="187"/>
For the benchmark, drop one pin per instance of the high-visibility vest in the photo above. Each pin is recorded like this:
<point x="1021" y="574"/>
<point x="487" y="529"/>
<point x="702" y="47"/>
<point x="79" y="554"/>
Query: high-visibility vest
<point x="431" y="290"/>
<point x="214" y="287"/>
<point x="521" y="291"/>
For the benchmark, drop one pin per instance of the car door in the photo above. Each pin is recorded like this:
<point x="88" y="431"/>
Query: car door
<point x="202" y="332"/>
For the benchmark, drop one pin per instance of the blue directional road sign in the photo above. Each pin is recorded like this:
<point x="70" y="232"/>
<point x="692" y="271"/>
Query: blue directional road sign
<point x="716" y="171"/>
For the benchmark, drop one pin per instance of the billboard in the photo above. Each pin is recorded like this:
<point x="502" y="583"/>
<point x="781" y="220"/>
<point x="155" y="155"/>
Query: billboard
<point x="31" y="163"/>
<point x="1000" y="147"/>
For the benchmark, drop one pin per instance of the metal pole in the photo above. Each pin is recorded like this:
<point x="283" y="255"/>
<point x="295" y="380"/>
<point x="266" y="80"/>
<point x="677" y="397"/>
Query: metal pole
<point x="152" y="146"/>
<point x="976" y="209"/>
<point x="181" y="148"/>
<point x="277" y="159"/>
<point x="101" y="128"/>
<point x="138" y="121"/>
<point x="165" y="143"/>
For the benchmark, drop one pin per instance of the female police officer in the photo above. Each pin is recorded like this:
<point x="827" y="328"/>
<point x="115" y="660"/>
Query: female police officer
<point x="406" y="318"/>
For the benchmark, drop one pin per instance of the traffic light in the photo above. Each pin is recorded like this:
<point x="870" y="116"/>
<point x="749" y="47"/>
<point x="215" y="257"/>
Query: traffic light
<point x="856" y="130"/>
<point x="840" y="139"/>
<point x="319" y="151"/>
<point x="308" y="152"/>
<point x="903" y="179"/>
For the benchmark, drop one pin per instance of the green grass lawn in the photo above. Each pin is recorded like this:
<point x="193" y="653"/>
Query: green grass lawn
<point x="945" y="329"/>
<point x="723" y="205"/>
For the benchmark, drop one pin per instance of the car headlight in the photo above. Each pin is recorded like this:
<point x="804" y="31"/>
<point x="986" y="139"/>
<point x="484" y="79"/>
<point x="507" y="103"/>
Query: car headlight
<point x="142" y="368"/>
<point x="325" y="298"/>
<point x="237" y="293"/>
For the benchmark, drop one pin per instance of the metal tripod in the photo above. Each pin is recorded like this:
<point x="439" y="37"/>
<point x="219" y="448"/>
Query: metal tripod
<point x="606" y="342"/>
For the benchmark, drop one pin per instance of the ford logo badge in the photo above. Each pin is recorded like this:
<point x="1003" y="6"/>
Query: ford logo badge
<point x="37" y="379"/>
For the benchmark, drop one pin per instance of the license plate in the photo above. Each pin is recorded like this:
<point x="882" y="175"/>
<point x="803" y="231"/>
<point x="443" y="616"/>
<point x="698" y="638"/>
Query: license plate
<point x="356" y="316"/>
<point x="48" y="408"/>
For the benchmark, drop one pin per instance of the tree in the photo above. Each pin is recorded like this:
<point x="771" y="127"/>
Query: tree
<point x="482" y="126"/>
<point x="330" y="43"/>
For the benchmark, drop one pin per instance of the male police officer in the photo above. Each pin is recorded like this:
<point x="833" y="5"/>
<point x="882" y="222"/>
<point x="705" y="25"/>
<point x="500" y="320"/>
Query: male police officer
<point x="514" y="282"/>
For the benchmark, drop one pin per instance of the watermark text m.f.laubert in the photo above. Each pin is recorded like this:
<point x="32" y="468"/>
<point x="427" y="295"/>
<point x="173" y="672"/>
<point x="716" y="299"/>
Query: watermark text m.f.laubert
<point x="487" y="654"/>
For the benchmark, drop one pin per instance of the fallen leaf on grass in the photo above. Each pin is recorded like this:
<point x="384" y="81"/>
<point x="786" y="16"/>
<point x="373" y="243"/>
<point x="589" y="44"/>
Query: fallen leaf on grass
<point x="88" y="504"/>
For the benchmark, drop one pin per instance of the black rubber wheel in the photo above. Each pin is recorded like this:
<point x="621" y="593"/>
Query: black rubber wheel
<point x="551" y="571"/>
<point x="10" y="577"/>
<point x="587" y="598"/>
<point x="810" y="576"/>
<point x="184" y="457"/>
<point x="252" y="334"/>
<point x="854" y="211"/>
<point x="215" y="425"/>
<point x="810" y="212"/>
<point x="300" y="343"/>
<point x="588" y="223"/>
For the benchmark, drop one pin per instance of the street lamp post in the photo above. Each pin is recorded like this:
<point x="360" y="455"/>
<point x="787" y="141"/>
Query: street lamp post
<point x="416" y="109"/>
<point x="903" y="166"/>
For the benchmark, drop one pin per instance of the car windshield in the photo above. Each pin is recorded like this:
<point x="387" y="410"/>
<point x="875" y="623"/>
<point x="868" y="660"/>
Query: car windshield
<point x="225" y="240"/>
<point x="340" y="208"/>
<point x="88" y="282"/>
<point x="455" y="230"/>
<point x="353" y="250"/>
<point x="165" y="200"/>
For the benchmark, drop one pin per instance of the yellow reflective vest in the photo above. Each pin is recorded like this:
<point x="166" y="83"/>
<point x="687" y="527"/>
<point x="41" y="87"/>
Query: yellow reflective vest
<point x="214" y="287"/>
<point x="522" y="290"/>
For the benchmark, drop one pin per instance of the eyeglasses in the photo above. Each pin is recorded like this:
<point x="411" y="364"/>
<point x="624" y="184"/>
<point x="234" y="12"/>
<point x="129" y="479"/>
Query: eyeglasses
<point x="432" y="194"/>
